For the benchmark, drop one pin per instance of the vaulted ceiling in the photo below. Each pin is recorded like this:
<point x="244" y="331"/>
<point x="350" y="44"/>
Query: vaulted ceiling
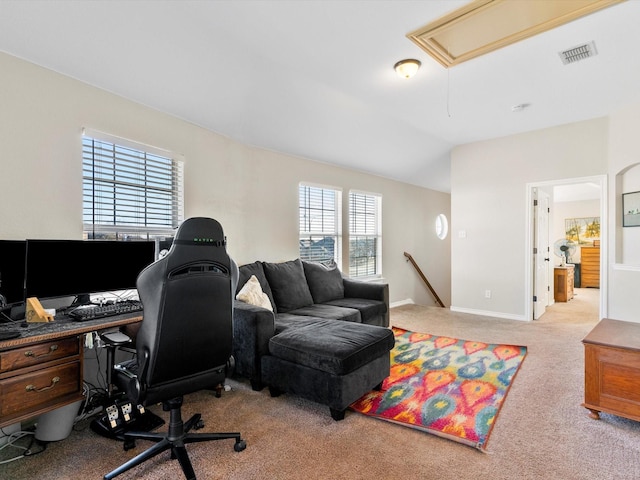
<point x="315" y="78"/>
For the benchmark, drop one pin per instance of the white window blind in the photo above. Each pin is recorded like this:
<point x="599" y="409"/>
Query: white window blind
<point x="320" y="223"/>
<point x="365" y="239"/>
<point x="129" y="190"/>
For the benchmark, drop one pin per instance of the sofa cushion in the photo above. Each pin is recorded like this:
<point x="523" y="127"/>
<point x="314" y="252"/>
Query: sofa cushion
<point x="325" y="281"/>
<point x="288" y="320"/>
<point x="368" y="308"/>
<point x="255" y="268"/>
<point x="331" y="312"/>
<point x="288" y="285"/>
<point x="252" y="293"/>
<point x="334" y="347"/>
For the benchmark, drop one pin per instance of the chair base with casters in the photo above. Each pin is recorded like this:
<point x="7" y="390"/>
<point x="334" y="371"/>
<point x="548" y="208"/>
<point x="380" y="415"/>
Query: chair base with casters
<point x="175" y="439"/>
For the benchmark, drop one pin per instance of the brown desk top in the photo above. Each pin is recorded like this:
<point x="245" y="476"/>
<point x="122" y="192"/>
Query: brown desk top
<point x="42" y="332"/>
<point x="615" y="333"/>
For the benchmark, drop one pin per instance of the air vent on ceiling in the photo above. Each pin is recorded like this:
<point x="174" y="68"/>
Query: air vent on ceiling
<point x="578" y="53"/>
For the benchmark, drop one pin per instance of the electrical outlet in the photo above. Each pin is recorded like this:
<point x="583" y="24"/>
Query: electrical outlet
<point x="487" y="294"/>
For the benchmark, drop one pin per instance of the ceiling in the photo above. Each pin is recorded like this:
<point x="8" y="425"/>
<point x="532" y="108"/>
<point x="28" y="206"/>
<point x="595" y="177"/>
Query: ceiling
<point x="315" y="78"/>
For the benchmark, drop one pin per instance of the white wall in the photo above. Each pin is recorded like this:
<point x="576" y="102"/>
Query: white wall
<point x="488" y="204"/>
<point x="252" y="192"/>
<point x="624" y="256"/>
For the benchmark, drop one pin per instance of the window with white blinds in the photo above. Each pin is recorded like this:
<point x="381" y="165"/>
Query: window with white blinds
<point x="129" y="190"/>
<point x="365" y="234"/>
<point x="320" y="223"/>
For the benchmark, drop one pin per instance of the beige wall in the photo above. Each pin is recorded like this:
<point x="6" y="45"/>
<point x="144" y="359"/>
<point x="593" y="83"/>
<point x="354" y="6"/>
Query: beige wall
<point x="488" y="204"/>
<point x="252" y="192"/>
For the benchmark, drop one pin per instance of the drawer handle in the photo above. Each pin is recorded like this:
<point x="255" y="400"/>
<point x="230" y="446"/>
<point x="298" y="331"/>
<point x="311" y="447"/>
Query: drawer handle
<point x="52" y="348"/>
<point x="32" y="388"/>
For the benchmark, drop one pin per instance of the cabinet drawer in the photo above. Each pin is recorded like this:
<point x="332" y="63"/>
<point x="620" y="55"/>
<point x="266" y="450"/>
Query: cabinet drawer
<point x="35" y="354"/>
<point x="26" y="392"/>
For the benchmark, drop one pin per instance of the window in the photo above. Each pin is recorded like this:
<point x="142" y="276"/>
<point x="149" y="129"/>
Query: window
<point x="130" y="191"/>
<point x="320" y="220"/>
<point x="365" y="234"/>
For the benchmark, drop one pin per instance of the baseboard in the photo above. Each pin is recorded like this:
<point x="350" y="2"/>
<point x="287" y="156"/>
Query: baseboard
<point x="407" y="301"/>
<point x="485" y="313"/>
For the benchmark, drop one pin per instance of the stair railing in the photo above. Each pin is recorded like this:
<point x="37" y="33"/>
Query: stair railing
<point x="424" y="279"/>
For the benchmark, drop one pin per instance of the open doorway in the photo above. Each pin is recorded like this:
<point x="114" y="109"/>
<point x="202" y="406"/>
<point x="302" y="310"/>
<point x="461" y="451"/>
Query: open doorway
<point x="567" y="221"/>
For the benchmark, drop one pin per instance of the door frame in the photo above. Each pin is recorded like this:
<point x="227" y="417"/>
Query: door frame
<point x="601" y="180"/>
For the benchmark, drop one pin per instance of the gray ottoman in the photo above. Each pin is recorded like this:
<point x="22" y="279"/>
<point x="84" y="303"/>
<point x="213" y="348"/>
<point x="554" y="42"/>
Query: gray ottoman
<point x="328" y="361"/>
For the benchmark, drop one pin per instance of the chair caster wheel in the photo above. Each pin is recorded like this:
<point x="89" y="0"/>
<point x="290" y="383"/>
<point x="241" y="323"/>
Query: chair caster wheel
<point x="129" y="444"/>
<point x="199" y="424"/>
<point x="240" y="445"/>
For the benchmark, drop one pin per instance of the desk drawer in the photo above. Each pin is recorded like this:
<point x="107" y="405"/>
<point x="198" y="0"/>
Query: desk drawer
<point x="25" y="392"/>
<point x="40" y="353"/>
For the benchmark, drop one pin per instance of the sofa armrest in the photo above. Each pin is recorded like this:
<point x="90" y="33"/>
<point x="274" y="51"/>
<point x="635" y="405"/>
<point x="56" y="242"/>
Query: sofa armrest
<point x="370" y="290"/>
<point x="253" y="327"/>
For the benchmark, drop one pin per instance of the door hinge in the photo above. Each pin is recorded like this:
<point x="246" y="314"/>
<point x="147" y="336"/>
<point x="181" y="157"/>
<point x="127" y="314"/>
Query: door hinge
<point x="535" y="298"/>
<point x="535" y="203"/>
<point x="535" y="250"/>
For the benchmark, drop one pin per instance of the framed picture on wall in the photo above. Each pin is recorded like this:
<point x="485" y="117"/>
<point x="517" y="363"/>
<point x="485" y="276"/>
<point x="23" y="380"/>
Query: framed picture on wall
<point x="582" y="231"/>
<point x="631" y="209"/>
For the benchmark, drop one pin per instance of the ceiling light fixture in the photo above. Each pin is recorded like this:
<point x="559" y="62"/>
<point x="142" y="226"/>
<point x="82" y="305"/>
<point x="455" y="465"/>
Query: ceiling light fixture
<point x="407" y="68"/>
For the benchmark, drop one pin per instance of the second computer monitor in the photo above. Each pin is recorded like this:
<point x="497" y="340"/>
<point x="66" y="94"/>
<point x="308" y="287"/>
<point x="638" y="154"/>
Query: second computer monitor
<point x="61" y="268"/>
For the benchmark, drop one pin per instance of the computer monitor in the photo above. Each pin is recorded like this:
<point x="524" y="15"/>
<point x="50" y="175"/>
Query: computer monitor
<point x="65" y="268"/>
<point x="12" y="261"/>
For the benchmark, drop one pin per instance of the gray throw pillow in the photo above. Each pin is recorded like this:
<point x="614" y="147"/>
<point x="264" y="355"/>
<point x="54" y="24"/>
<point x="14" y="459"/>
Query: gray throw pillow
<point x="324" y="280"/>
<point x="288" y="285"/>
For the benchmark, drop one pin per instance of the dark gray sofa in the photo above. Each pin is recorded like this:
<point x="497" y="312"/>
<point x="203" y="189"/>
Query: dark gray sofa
<point x="325" y="338"/>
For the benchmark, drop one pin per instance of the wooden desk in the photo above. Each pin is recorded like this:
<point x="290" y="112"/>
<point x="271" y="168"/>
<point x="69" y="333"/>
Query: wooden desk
<point x="43" y="368"/>
<point x="612" y="369"/>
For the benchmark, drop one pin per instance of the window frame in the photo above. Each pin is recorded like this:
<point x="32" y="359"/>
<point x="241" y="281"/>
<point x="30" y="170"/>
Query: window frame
<point x="308" y="234"/>
<point x="375" y="233"/>
<point x="131" y="230"/>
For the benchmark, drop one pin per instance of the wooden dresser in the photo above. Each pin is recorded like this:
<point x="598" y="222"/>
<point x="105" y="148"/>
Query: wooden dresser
<point x="38" y="377"/>
<point x="590" y="271"/>
<point x="43" y="368"/>
<point x="612" y="369"/>
<point x="563" y="283"/>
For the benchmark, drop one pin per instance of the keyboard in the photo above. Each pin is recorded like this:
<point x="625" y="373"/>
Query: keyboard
<point x="84" y="313"/>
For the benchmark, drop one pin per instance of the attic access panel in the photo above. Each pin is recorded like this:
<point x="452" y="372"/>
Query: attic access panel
<point x="486" y="25"/>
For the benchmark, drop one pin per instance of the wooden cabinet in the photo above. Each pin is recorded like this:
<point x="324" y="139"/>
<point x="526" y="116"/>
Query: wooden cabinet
<point x="34" y="378"/>
<point x="590" y="273"/>
<point x="612" y="369"/>
<point x="563" y="283"/>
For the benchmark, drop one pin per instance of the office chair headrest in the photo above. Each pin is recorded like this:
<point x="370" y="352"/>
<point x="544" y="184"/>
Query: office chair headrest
<point x="200" y="231"/>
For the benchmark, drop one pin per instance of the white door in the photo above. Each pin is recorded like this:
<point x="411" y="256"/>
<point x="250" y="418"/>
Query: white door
<point x="542" y="253"/>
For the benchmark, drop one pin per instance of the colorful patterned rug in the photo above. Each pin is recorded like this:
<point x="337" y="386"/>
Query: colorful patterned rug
<point x="445" y="386"/>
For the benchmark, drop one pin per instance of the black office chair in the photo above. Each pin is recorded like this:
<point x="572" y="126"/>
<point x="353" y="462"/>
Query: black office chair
<point x="185" y="339"/>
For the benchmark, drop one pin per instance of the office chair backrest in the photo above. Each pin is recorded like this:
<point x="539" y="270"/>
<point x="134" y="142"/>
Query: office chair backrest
<point x="185" y="339"/>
